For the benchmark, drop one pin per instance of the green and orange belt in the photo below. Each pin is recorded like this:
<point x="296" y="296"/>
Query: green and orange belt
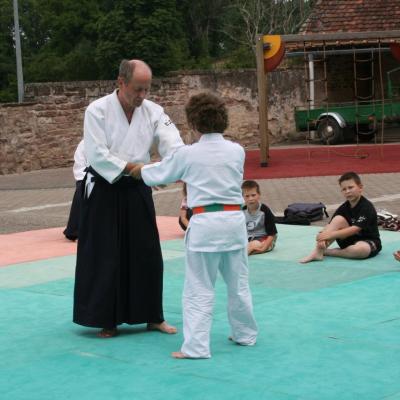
<point x="216" y="207"/>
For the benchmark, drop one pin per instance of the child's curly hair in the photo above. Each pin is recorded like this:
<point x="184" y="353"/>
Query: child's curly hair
<point x="207" y="113"/>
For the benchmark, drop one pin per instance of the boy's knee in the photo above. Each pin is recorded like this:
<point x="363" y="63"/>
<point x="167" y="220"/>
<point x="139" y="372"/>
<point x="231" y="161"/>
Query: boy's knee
<point x="339" y="222"/>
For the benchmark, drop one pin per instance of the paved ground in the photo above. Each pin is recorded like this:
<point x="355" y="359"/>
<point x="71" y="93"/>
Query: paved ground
<point x="41" y="199"/>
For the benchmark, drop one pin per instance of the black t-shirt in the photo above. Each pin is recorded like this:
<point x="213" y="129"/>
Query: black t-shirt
<point x="362" y="215"/>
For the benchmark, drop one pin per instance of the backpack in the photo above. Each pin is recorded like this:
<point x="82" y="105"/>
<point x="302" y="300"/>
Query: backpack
<point x="292" y="219"/>
<point x="312" y="211"/>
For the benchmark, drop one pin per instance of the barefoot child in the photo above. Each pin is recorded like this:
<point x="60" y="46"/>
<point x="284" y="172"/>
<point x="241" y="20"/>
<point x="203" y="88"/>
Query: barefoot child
<point x="216" y="236"/>
<point x="354" y="226"/>
<point x="260" y="222"/>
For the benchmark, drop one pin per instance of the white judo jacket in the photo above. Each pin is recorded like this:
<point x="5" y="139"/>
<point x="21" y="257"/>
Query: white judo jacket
<point x="80" y="162"/>
<point x="110" y="141"/>
<point x="213" y="172"/>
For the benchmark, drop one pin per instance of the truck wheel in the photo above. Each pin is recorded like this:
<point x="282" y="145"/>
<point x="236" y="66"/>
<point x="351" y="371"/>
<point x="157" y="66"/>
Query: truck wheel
<point x="330" y="131"/>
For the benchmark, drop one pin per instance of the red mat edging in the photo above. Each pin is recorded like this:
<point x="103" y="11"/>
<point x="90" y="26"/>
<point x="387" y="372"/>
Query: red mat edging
<point x="323" y="161"/>
<point x="41" y="244"/>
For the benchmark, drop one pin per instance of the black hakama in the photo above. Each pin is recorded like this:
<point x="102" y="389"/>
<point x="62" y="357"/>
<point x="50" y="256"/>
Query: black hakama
<point x="119" y="271"/>
<point x="71" y="231"/>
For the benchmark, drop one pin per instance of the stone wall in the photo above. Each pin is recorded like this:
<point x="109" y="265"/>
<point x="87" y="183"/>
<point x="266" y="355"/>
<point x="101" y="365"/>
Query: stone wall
<point x="44" y="131"/>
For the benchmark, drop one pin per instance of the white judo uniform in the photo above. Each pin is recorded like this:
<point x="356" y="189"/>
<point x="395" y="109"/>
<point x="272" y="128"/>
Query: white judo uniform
<point x="80" y="162"/>
<point x="111" y="141"/>
<point x="213" y="172"/>
<point x="119" y="270"/>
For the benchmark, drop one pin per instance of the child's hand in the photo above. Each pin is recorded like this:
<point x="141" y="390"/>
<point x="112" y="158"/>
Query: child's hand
<point x="136" y="170"/>
<point x="396" y="255"/>
<point x="322" y="236"/>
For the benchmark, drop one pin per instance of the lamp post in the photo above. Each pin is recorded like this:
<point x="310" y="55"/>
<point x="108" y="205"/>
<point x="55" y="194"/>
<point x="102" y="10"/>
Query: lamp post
<point x="20" y="78"/>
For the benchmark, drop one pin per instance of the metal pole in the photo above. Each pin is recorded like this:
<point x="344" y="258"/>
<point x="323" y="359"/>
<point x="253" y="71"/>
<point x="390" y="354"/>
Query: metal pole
<point x="20" y="78"/>
<point x="262" y="102"/>
<point x="311" y="79"/>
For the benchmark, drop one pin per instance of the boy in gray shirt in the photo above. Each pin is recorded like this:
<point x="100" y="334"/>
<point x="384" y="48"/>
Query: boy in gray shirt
<point x="260" y="222"/>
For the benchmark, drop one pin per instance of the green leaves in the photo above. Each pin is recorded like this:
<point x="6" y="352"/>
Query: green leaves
<point x="149" y="30"/>
<point x="87" y="39"/>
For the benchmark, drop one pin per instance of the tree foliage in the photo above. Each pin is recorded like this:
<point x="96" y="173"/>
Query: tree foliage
<point x="86" y="39"/>
<point x="145" y="29"/>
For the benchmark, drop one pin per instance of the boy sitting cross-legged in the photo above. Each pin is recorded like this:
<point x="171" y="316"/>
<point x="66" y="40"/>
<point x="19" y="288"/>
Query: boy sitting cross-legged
<point x="260" y="222"/>
<point x="354" y="226"/>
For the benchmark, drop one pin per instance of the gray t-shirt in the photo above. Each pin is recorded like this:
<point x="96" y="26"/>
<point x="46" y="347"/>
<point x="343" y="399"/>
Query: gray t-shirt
<point x="255" y="223"/>
<point x="260" y="223"/>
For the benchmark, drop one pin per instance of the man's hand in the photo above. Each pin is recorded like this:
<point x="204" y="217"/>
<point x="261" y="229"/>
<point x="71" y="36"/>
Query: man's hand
<point x="136" y="170"/>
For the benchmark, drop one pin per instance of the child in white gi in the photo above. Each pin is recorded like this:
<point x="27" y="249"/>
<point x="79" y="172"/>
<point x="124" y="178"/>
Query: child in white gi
<point x="216" y="237"/>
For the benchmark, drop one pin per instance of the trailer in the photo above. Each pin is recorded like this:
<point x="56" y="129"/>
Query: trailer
<point x="338" y="122"/>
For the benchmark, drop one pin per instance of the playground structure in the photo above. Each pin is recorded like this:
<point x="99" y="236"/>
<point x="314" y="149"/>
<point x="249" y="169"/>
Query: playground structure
<point x="336" y="122"/>
<point x="364" y="116"/>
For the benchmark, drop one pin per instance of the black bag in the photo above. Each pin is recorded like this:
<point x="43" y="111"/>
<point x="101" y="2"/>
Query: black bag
<point x="292" y="219"/>
<point x="311" y="211"/>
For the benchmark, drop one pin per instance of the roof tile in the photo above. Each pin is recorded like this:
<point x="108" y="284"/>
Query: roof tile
<point x="330" y="16"/>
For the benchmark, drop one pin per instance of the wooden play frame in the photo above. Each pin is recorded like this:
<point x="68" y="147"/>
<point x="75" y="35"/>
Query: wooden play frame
<point x="306" y="41"/>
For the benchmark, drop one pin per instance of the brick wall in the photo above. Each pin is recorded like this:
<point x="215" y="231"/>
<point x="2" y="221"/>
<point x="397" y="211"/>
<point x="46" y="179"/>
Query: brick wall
<point x="44" y="131"/>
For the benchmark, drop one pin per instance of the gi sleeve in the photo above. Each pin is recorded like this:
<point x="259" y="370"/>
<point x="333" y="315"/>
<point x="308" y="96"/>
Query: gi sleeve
<point x="170" y="169"/>
<point x="168" y="136"/>
<point x="80" y="162"/>
<point x="98" y="155"/>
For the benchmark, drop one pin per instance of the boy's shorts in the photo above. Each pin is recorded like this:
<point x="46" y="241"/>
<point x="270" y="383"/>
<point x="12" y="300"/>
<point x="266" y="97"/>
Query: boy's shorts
<point x="375" y="245"/>
<point x="263" y="239"/>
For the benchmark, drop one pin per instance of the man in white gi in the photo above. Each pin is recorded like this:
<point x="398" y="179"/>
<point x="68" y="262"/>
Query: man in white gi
<point x="216" y="238"/>
<point x="119" y="271"/>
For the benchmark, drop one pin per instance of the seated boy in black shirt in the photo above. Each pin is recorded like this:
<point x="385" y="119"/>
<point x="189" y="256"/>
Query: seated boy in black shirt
<point x="260" y="222"/>
<point x="354" y="226"/>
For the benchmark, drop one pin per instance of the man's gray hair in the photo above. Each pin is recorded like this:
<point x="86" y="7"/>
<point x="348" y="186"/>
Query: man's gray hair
<point x="126" y="69"/>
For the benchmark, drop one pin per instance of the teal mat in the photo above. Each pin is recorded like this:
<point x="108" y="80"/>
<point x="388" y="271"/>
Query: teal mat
<point x="328" y="330"/>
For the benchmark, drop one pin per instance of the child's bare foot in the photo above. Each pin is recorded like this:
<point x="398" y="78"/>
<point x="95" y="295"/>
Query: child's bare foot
<point x="162" y="327"/>
<point x="240" y="344"/>
<point x="313" y="256"/>
<point x="107" y="333"/>
<point x="179" y="355"/>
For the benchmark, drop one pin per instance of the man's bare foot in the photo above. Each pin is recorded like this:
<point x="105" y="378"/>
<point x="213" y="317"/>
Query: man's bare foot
<point x="162" y="327"/>
<point x="179" y="355"/>
<point x="314" y="256"/>
<point x="107" y="333"/>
